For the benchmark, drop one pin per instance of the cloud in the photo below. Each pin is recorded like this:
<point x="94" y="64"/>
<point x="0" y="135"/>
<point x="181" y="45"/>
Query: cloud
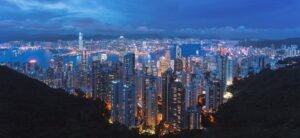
<point x="149" y="30"/>
<point x="212" y="17"/>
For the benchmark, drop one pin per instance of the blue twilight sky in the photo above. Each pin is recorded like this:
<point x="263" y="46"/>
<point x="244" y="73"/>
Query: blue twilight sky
<point x="214" y="18"/>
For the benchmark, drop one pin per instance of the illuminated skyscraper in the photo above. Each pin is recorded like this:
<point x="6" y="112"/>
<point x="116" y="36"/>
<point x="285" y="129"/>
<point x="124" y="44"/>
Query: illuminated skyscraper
<point x="178" y="67"/>
<point x="229" y="71"/>
<point x="117" y="101"/>
<point x="130" y="105"/>
<point x="80" y="41"/>
<point x="123" y="49"/>
<point x="69" y="77"/>
<point x="51" y="74"/>
<point x="193" y="118"/>
<point x="99" y="80"/>
<point x="129" y="68"/>
<point x="164" y="64"/>
<point x="222" y="75"/>
<point x="168" y="55"/>
<point x="167" y="79"/>
<point x="59" y="72"/>
<point x="149" y="89"/>
<point x="177" y="106"/>
<point x="214" y="93"/>
<point x="178" y="52"/>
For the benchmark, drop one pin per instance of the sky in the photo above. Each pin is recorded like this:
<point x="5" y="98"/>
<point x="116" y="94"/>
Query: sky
<point x="271" y="19"/>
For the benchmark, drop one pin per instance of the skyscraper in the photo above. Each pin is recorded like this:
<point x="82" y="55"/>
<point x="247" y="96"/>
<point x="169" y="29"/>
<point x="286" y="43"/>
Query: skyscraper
<point x="214" y="93"/>
<point x="178" y="52"/>
<point x="177" y="106"/>
<point x="117" y="101"/>
<point x="167" y="79"/>
<point x="129" y="68"/>
<point x="80" y="41"/>
<point x="178" y="67"/>
<point x="149" y="90"/>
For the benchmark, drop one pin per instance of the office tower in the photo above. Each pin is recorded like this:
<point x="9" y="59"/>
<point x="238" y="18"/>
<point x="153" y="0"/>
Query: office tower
<point x="195" y="90"/>
<point x="130" y="105"/>
<point x="168" y="55"/>
<point x="229" y="71"/>
<point x="122" y="48"/>
<point x="127" y="98"/>
<point x="98" y="85"/>
<point x="138" y="83"/>
<point x="178" y="52"/>
<point x="222" y="69"/>
<point x="84" y="60"/>
<point x="214" y="93"/>
<point x="167" y="79"/>
<point x="68" y="80"/>
<point x="123" y="101"/>
<point x="164" y="64"/>
<point x="80" y="41"/>
<point x="129" y="68"/>
<point x="178" y="67"/>
<point x="51" y="74"/>
<point x="101" y="80"/>
<point x="118" y="70"/>
<point x="117" y="101"/>
<point x="149" y="90"/>
<point x="59" y="72"/>
<point x="177" y="106"/>
<point x="193" y="118"/>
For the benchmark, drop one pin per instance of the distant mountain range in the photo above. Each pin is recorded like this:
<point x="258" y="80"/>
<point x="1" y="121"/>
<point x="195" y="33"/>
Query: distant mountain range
<point x="269" y="43"/>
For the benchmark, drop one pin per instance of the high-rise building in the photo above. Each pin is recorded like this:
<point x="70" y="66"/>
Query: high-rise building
<point x="69" y="77"/>
<point x="59" y="72"/>
<point x="167" y="79"/>
<point x="51" y="74"/>
<point x="99" y="81"/>
<point x="214" y="93"/>
<point x="229" y="71"/>
<point x="193" y="118"/>
<point x="164" y="64"/>
<point x="178" y="67"/>
<point x="177" y="106"/>
<point x="129" y="68"/>
<point x="222" y="69"/>
<point x="149" y="90"/>
<point x="178" y="52"/>
<point x="80" y="41"/>
<point x="130" y="104"/>
<point x="168" y="54"/>
<point x="117" y="101"/>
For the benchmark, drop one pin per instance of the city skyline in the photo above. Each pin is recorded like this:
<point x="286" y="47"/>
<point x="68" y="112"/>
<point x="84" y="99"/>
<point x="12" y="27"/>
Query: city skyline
<point x="239" y="19"/>
<point x="140" y="68"/>
<point x="155" y="86"/>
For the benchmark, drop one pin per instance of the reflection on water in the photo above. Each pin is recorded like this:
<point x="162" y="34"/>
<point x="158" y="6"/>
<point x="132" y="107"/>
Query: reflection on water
<point x="43" y="56"/>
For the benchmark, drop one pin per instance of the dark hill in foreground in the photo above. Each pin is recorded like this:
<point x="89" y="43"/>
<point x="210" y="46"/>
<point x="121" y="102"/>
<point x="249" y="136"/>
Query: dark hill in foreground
<point x="266" y="105"/>
<point x="29" y="108"/>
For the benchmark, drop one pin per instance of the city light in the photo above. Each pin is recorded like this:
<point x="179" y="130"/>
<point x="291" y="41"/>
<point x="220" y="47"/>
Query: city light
<point x="149" y="84"/>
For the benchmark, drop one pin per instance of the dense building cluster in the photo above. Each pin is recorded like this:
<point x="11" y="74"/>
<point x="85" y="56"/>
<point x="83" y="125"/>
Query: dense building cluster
<point x="144" y="92"/>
